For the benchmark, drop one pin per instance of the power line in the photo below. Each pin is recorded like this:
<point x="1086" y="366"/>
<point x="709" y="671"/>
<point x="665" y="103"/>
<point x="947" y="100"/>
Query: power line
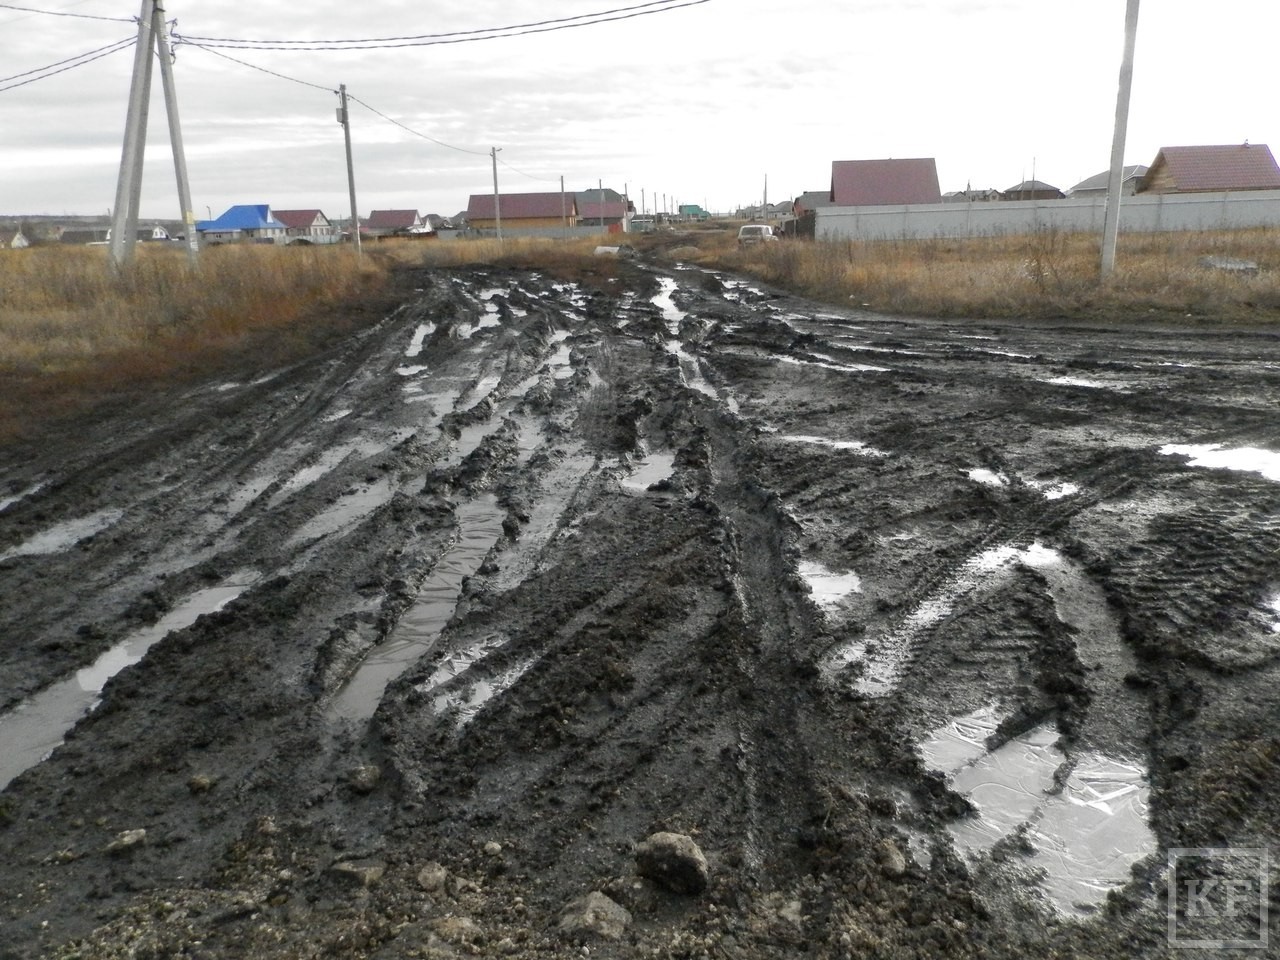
<point x="70" y="64"/>
<point x="59" y="13"/>
<point x="254" y="66"/>
<point x="441" y="143"/>
<point x="436" y="39"/>
<point x="529" y="175"/>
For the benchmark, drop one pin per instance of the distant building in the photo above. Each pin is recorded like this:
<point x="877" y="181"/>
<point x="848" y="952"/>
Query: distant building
<point x="593" y="213"/>
<point x="810" y="201"/>
<point x="1212" y="169"/>
<point x="1096" y="186"/>
<point x="693" y="211"/>
<point x="865" y="183"/>
<point x="307" y="226"/>
<point x="523" y="210"/>
<point x="971" y="195"/>
<point x="1034" y="190"/>
<point x="243" y="223"/>
<point x="13" y="238"/>
<point x="395" y="223"/>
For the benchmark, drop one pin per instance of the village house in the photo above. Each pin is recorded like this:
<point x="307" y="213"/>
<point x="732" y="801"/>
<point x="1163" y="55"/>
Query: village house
<point x="243" y="223"/>
<point x="1096" y="186"/>
<point x="394" y="223"/>
<point x="1034" y="190"/>
<point x="307" y="226"/>
<point x="1212" y="169"/>
<point x="867" y="183"/>
<point x="523" y="211"/>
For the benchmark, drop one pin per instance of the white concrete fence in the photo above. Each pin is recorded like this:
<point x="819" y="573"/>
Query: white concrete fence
<point x="1144" y="213"/>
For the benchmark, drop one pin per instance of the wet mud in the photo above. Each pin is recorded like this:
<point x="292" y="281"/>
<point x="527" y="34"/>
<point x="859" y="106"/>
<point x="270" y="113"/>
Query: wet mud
<point x="934" y="637"/>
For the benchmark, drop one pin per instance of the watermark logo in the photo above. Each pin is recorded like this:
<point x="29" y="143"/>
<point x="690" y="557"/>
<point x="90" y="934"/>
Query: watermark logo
<point x="1218" y="898"/>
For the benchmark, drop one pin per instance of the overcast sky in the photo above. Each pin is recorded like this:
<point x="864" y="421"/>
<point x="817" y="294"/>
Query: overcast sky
<point x="698" y="103"/>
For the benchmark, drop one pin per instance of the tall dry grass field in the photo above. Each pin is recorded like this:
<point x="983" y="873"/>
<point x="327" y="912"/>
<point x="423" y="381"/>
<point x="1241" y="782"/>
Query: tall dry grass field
<point x="1046" y="275"/>
<point x="72" y="327"/>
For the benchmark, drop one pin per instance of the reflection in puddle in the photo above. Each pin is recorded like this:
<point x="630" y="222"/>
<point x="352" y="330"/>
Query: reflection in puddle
<point x="465" y="701"/>
<point x="654" y="468"/>
<point x="1052" y="491"/>
<point x="827" y="364"/>
<point x="1214" y="457"/>
<point x="412" y="371"/>
<point x="664" y="302"/>
<point x="7" y="502"/>
<point x="1085" y="382"/>
<point x="988" y="477"/>
<point x="64" y="536"/>
<point x="885" y="657"/>
<point x="857" y="446"/>
<point x="347" y="510"/>
<point x="826" y="586"/>
<point x="33" y="729"/>
<point x="479" y="526"/>
<point x="419" y="338"/>
<point x="1086" y="836"/>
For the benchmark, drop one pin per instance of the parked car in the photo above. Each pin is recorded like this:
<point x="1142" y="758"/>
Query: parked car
<point x="755" y="233"/>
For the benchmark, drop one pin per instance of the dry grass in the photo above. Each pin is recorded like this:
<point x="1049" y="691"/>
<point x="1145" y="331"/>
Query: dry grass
<point x="72" y="329"/>
<point x="1046" y="275"/>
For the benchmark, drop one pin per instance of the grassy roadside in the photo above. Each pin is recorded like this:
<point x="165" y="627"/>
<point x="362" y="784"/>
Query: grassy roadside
<point x="1048" y="275"/>
<point x="73" y="333"/>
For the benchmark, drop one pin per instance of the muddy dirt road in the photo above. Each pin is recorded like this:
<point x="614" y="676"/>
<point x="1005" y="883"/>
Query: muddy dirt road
<point x="935" y="638"/>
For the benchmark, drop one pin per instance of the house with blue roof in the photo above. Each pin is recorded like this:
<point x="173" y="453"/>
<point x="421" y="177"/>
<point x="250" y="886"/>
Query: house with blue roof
<point x="243" y="223"/>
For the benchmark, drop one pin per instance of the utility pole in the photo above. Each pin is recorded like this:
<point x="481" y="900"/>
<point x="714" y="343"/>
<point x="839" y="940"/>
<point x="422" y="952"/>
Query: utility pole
<point x="603" y="228"/>
<point x="564" y="217"/>
<point x="1111" y="222"/>
<point x="175" y="133"/>
<point x="344" y="118"/>
<point x="124" y="219"/>
<point x="497" y="210"/>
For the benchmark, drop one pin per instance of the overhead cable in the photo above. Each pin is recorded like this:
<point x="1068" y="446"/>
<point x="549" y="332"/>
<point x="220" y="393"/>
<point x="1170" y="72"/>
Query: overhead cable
<point x="435" y="39"/>
<point x="441" y="143"/>
<point x="59" y="13"/>
<point x="254" y="66"/>
<point x="529" y="175"/>
<point x="62" y="66"/>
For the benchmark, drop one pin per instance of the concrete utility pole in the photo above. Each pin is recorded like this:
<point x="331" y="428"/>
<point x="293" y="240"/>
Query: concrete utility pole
<point x="497" y="210"/>
<point x="564" y="216"/>
<point x="603" y="228"/>
<point x="344" y="118"/>
<point x="124" y="220"/>
<point x="1115" y="182"/>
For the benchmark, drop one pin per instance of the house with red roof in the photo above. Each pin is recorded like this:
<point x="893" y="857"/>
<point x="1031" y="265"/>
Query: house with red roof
<point x="869" y="183"/>
<point x="522" y="210"/>
<point x="1212" y="169"/>
<point x="307" y="226"/>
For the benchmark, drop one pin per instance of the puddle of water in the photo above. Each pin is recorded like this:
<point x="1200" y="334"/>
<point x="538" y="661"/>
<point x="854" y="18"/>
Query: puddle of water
<point x="1274" y="606"/>
<point x="1052" y="491"/>
<point x="654" y="468"/>
<point x="347" y="510"/>
<point x="987" y="477"/>
<point x="1214" y="457"/>
<point x="420" y="335"/>
<point x="857" y="446"/>
<point x="883" y="668"/>
<point x="64" y="536"/>
<point x="1084" y="382"/>
<point x="691" y="370"/>
<point x="1085" y="837"/>
<point x="827" y="365"/>
<point x="663" y="301"/>
<point x="8" y="502"/>
<point x="1002" y="353"/>
<point x="35" y="728"/>
<point x="466" y="702"/>
<point x="335" y="416"/>
<point x="412" y="371"/>
<point x="479" y="526"/>
<point x="559" y="362"/>
<point x="826" y="586"/>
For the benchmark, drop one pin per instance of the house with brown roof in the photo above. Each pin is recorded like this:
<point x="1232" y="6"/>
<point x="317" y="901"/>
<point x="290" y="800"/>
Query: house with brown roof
<point x="523" y="210"/>
<point x="1033" y="190"/>
<point x="1212" y="169"/>
<point x="867" y="183"/>
<point x="394" y="223"/>
<point x="307" y="226"/>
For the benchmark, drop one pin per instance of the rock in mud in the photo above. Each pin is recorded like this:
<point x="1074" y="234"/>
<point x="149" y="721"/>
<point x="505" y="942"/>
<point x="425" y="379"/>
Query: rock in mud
<point x="458" y="930"/>
<point x="433" y="877"/>
<point x="364" y="872"/>
<point x="674" y="861"/>
<point x="126" y="841"/>
<point x="594" y="915"/>
<point x="892" y="862"/>
<point x="364" y="779"/>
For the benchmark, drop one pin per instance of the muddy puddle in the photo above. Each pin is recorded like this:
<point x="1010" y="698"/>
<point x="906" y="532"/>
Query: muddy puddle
<point x="1214" y="456"/>
<point x="1085" y="836"/>
<point x="33" y="729"/>
<point x="653" y="469"/>
<point x="828" y="588"/>
<point x="65" y="535"/>
<point x="479" y="526"/>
